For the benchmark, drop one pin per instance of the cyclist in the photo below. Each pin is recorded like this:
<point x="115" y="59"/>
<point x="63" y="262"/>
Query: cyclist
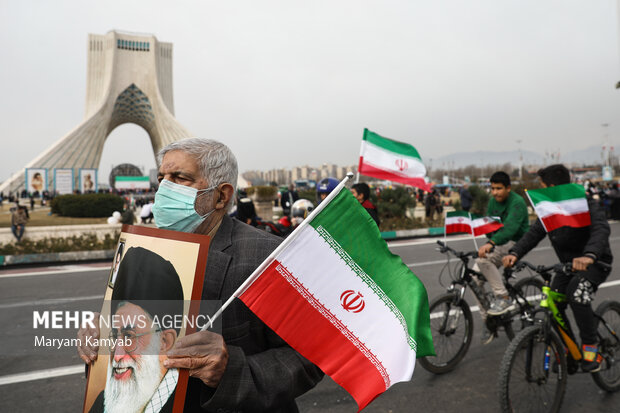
<point x="512" y="210"/>
<point x="582" y="247"/>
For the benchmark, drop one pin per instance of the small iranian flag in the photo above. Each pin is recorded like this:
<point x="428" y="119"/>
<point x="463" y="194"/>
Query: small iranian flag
<point x="385" y="158"/>
<point x="561" y="206"/>
<point x="336" y="294"/>
<point x="461" y="221"/>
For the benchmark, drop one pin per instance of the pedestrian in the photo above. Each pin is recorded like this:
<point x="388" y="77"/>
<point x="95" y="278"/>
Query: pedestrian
<point x="128" y="217"/>
<point x="288" y="199"/>
<point x="466" y="198"/>
<point x="19" y="219"/>
<point x="246" y="367"/>
<point x="31" y="203"/>
<point x="146" y="213"/>
<point x="361" y="192"/>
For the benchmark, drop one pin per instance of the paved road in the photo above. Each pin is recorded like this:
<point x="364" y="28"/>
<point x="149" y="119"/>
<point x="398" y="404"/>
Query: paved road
<point x="54" y="380"/>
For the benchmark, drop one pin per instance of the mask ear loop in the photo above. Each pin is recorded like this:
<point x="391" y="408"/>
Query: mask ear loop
<point x="202" y="192"/>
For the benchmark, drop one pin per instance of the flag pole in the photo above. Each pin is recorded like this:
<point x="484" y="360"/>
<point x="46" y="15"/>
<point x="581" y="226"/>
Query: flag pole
<point x="445" y="217"/>
<point x="246" y="284"/>
<point x="471" y="225"/>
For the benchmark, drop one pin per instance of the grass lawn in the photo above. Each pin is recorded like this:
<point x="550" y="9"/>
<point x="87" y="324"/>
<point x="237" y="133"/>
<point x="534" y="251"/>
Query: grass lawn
<point x="40" y="217"/>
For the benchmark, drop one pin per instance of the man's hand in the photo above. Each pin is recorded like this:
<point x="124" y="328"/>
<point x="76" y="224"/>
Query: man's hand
<point x="509" y="260"/>
<point x="582" y="263"/>
<point x="88" y="353"/>
<point x="205" y="355"/>
<point x="485" y="249"/>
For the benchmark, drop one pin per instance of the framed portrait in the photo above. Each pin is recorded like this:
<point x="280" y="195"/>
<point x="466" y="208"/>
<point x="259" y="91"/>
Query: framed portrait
<point x="152" y="299"/>
<point x="88" y="180"/>
<point x="36" y="180"/>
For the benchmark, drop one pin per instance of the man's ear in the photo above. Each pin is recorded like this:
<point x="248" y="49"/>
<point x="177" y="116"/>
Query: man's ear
<point x="168" y="338"/>
<point x="225" y="194"/>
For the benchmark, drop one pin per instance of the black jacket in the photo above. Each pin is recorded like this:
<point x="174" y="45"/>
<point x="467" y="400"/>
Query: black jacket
<point x="569" y="242"/>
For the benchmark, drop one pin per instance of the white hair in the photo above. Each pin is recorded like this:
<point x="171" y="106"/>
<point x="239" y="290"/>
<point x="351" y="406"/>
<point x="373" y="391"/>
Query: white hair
<point x="217" y="163"/>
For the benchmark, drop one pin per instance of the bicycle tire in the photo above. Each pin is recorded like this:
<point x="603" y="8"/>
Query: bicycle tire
<point x="517" y="392"/>
<point x="608" y="378"/>
<point x="531" y="289"/>
<point x="450" y="346"/>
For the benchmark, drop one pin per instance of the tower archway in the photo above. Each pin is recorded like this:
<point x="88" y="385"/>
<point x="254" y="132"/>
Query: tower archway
<point x="129" y="80"/>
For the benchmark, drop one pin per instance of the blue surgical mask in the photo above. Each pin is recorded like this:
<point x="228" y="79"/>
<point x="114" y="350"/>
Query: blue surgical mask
<point x="174" y="207"/>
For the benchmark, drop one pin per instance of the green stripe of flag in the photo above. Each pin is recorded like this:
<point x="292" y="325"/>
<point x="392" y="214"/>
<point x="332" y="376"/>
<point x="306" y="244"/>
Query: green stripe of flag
<point x="355" y="231"/>
<point x="452" y="214"/>
<point x="557" y="193"/>
<point x="391" y="145"/>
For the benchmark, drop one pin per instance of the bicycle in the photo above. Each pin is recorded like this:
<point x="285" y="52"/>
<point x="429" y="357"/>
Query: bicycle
<point x="535" y="366"/>
<point x="452" y="324"/>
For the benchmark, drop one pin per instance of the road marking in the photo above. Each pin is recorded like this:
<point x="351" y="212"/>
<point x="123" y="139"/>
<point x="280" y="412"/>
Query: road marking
<point x="69" y="271"/>
<point x="42" y="374"/>
<point x="51" y="301"/>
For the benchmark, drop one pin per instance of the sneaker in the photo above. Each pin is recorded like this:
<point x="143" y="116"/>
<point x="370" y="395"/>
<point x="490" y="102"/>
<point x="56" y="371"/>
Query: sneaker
<point x="501" y="306"/>
<point x="487" y="336"/>
<point x="591" y="362"/>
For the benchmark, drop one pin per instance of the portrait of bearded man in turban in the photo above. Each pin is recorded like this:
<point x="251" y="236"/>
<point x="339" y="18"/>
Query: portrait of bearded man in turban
<point x="146" y="291"/>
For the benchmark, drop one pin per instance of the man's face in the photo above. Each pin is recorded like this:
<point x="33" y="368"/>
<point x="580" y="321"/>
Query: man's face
<point x="182" y="168"/>
<point x="499" y="191"/>
<point x="357" y="195"/>
<point x="134" y="373"/>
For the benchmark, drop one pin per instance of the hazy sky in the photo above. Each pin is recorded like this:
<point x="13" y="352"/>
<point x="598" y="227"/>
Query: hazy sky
<point x="287" y="83"/>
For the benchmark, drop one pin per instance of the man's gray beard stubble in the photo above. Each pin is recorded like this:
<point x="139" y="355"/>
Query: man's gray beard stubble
<point x="134" y="394"/>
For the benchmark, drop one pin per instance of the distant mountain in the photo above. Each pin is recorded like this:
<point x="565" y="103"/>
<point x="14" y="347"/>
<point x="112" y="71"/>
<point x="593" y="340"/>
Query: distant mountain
<point x="482" y="158"/>
<point x="588" y="156"/>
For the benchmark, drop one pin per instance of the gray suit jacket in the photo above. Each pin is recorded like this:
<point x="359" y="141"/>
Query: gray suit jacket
<point x="263" y="373"/>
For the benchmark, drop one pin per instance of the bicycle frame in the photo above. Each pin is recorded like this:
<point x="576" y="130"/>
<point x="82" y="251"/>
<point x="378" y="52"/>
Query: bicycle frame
<point x="550" y="298"/>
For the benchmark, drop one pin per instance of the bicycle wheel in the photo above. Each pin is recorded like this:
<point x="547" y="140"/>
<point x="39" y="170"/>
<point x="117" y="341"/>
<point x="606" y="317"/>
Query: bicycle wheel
<point x="452" y="328"/>
<point x="527" y="380"/>
<point x="608" y="378"/>
<point x="531" y="290"/>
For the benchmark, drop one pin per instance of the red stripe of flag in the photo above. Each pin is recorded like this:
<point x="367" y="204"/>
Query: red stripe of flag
<point x="486" y="228"/>
<point x="452" y="228"/>
<point x="556" y="221"/>
<point x="281" y="306"/>
<point x="370" y="170"/>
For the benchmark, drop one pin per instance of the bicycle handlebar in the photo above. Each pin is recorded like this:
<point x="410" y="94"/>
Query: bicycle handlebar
<point x="459" y="254"/>
<point x="545" y="269"/>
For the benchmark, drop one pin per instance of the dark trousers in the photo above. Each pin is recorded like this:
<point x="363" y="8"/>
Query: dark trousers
<point x="18" y="231"/>
<point x="579" y="288"/>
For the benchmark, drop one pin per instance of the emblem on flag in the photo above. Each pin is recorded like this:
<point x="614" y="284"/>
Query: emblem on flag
<point x="352" y="302"/>
<point x="401" y="164"/>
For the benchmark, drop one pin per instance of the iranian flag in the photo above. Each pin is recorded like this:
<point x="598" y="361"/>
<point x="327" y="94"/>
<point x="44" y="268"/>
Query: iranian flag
<point x="461" y="221"/>
<point x="336" y="294"/>
<point x="561" y="206"/>
<point x="385" y="158"/>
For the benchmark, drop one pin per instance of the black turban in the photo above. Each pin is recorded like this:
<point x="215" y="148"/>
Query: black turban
<point x="150" y="282"/>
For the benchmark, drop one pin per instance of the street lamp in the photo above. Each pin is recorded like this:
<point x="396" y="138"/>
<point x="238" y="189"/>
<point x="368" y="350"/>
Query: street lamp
<point x="520" y="159"/>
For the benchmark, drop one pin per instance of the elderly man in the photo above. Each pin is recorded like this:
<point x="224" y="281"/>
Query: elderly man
<point x="247" y="368"/>
<point x="146" y="290"/>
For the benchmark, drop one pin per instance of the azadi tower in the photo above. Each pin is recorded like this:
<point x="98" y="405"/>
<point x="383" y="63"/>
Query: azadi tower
<point x="129" y="81"/>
